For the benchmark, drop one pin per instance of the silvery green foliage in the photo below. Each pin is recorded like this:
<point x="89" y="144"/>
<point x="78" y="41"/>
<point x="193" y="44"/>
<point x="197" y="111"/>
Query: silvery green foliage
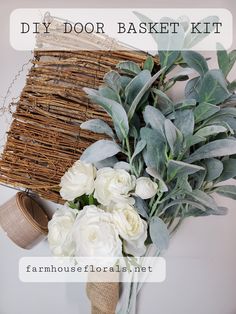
<point x="188" y="147"/>
<point x="100" y="150"/>
<point x="98" y="126"/>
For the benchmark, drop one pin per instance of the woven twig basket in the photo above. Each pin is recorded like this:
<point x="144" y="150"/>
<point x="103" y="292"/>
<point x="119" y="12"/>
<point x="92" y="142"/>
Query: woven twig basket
<point x="45" y="137"/>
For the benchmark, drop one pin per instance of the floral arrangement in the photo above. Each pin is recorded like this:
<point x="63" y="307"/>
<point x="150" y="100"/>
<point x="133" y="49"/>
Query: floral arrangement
<point x="108" y="223"/>
<point x="160" y="161"/>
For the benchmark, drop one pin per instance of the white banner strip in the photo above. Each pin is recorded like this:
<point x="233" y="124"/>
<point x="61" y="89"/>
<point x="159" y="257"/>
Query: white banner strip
<point x="98" y="269"/>
<point x="114" y="29"/>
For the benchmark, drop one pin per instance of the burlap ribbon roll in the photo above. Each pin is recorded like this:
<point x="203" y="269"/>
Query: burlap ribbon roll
<point x="104" y="297"/>
<point x="24" y="221"/>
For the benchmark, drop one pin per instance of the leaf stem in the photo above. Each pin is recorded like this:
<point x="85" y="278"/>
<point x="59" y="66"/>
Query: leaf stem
<point x="167" y="87"/>
<point x="174" y="216"/>
<point x="91" y="199"/>
<point x="161" y="79"/>
<point x="154" y="207"/>
<point x="133" y="169"/>
<point x="128" y="148"/>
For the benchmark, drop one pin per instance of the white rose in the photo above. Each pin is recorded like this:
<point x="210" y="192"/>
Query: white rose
<point x="145" y="188"/>
<point x="131" y="228"/>
<point x="95" y="234"/>
<point x="78" y="180"/>
<point x="114" y="185"/>
<point x="60" y="232"/>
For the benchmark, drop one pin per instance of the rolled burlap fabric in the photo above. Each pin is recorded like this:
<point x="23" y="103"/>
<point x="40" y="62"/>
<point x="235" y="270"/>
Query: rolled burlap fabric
<point x="104" y="297"/>
<point x="24" y="221"/>
<point x="103" y="292"/>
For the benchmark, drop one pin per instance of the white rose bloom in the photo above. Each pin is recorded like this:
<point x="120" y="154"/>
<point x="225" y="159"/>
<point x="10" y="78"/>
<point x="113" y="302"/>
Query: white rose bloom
<point x="95" y="234"/>
<point x="60" y="232"/>
<point x="145" y="188"/>
<point x="114" y="185"/>
<point x="131" y="228"/>
<point x="78" y="180"/>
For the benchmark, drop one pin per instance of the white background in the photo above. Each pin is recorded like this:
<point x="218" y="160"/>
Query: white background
<point x="201" y="260"/>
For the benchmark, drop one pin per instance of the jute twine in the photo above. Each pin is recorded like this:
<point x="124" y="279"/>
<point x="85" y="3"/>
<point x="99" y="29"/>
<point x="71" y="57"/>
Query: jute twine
<point x="24" y="221"/>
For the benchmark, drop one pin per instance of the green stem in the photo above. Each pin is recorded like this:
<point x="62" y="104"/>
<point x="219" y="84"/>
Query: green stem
<point x="154" y="207"/>
<point x="151" y="201"/>
<point x="161" y="79"/>
<point x="175" y="215"/>
<point x="133" y="170"/>
<point x="140" y="166"/>
<point x="169" y="86"/>
<point x="91" y="199"/>
<point x="170" y="195"/>
<point x="128" y="148"/>
<point x="155" y="99"/>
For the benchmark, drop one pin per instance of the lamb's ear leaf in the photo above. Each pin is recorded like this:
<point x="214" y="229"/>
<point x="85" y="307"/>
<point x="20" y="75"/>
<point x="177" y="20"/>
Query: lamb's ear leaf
<point x="193" y="140"/>
<point x="141" y="206"/>
<point x="213" y="88"/>
<point x="180" y="168"/>
<point x="135" y="85"/>
<point x="115" y="110"/>
<point x="100" y="150"/>
<point x="199" y="178"/>
<point x="154" y="118"/>
<point x="196" y="61"/>
<point x="229" y="170"/>
<point x="204" y="111"/>
<point x="167" y="58"/>
<point x="165" y="104"/>
<point x="167" y="44"/>
<point x="109" y="93"/>
<point x="184" y="121"/>
<point x="184" y="201"/>
<point x="154" y="152"/>
<point x="196" y="212"/>
<point x="232" y="86"/>
<point x="214" y="169"/>
<point x="161" y="184"/>
<point x="217" y="148"/>
<point x="227" y="191"/>
<point x="112" y="80"/>
<point x="174" y="137"/>
<point x="211" y="130"/>
<point x="97" y="126"/>
<point x="225" y="61"/>
<point x="148" y="64"/>
<point x="139" y="148"/>
<point x="203" y="198"/>
<point x="122" y="165"/>
<point x="232" y="59"/>
<point x="108" y="162"/>
<point x="162" y="96"/>
<point x="193" y="39"/>
<point x="146" y="87"/>
<point x="185" y="104"/>
<point x="159" y="233"/>
<point x="129" y="67"/>
<point x="192" y="88"/>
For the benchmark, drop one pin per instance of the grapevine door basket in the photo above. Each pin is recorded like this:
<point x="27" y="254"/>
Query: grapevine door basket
<point x="97" y="132"/>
